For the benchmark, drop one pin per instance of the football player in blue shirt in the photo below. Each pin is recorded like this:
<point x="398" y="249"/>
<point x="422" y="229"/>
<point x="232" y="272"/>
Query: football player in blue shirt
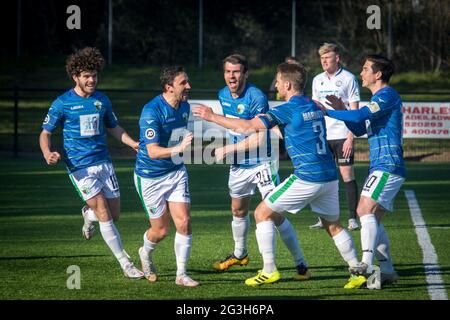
<point x="251" y="167"/>
<point x="85" y="115"/>
<point x="382" y="121"/>
<point x="160" y="176"/>
<point x="314" y="181"/>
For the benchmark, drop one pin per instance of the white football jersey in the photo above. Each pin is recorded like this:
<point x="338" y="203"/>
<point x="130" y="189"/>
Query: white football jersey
<point x="343" y="85"/>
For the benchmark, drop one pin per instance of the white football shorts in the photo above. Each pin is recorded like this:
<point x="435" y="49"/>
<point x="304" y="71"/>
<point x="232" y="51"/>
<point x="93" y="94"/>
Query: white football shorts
<point x="92" y="180"/>
<point x="242" y="182"/>
<point x="382" y="187"/>
<point x="154" y="193"/>
<point x="293" y="194"/>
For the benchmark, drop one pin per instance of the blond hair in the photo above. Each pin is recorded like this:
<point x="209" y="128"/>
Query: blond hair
<point x="328" y="47"/>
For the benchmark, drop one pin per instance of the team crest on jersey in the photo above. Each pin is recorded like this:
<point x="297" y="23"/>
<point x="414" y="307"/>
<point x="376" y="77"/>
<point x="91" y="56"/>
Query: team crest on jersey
<point x="149" y="133"/>
<point x="185" y="116"/>
<point x="338" y="83"/>
<point x="98" y="104"/>
<point x="240" y="108"/>
<point x="85" y="189"/>
<point x="47" y="119"/>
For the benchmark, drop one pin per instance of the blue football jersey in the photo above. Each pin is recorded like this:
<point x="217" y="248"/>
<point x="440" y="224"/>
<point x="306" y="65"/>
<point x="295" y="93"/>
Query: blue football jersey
<point x="382" y="120"/>
<point x="384" y="128"/>
<point x="303" y="126"/>
<point x="163" y="124"/>
<point x="83" y="122"/>
<point x="250" y="103"/>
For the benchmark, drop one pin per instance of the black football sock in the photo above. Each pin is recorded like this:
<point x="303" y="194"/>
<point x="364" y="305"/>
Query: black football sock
<point x="351" y="191"/>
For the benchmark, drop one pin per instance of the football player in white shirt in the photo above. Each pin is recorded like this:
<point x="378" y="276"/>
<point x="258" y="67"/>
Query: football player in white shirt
<point x="337" y="81"/>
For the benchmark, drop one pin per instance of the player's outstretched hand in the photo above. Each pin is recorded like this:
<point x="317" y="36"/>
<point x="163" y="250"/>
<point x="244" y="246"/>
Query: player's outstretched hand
<point x="52" y="157"/>
<point x="135" y="146"/>
<point x="335" y="102"/>
<point x="203" y="112"/>
<point x="321" y="107"/>
<point x="187" y="140"/>
<point x="219" y="154"/>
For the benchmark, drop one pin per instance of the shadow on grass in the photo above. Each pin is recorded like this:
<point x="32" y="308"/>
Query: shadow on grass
<point x="420" y="157"/>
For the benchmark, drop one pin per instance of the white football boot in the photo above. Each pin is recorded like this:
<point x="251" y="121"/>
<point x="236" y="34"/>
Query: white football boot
<point x="186" y="281"/>
<point x="88" y="227"/>
<point x="131" y="272"/>
<point x="318" y="225"/>
<point x="148" y="267"/>
<point x="352" y="225"/>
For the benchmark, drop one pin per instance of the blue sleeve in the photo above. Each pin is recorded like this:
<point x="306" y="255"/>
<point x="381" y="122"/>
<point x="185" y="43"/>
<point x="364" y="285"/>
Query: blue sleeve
<point x="260" y="105"/>
<point x="350" y="115"/>
<point x="275" y="116"/>
<point x="110" y="118"/>
<point x="149" y="127"/>
<point x="358" y="129"/>
<point x="268" y="120"/>
<point x="54" y="116"/>
<point x="382" y="104"/>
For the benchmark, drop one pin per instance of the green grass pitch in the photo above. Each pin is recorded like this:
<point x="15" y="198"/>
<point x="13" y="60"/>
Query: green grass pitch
<point x="40" y="237"/>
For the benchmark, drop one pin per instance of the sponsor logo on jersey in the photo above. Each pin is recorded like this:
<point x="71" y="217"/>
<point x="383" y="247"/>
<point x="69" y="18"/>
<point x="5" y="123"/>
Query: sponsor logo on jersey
<point x="226" y="104"/>
<point x="47" y="119"/>
<point x="98" y="104"/>
<point x="89" y="125"/>
<point x="374" y="107"/>
<point x="149" y="133"/>
<point x="170" y="120"/>
<point x="76" y="107"/>
<point x="240" y="108"/>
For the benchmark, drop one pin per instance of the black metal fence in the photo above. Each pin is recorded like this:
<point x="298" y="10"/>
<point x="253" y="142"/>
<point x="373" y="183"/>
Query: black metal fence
<point x="22" y="111"/>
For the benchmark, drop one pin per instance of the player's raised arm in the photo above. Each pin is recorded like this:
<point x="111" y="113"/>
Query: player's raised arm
<point x="350" y="115"/>
<point x="120" y="134"/>
<point x="237" y="125"/>
<point x="251" y="142"/>
<point x="51" y="157"/>
<point x="353" y="119"/>
<point x="155" y="151"/>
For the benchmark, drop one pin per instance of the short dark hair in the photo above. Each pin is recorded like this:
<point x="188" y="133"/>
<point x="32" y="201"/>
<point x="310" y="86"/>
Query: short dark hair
<point x="382" y="64"/>
<point x="292" y="60"/>
<point x="168" y="75"/>
<point x="86" y="59"/>
<point x="237" y="58"/>
<point x="294" y="73"/>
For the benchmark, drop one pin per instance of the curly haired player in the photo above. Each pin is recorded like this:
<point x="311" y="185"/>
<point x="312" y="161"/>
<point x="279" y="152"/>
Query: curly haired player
<point x="85" y="115"/>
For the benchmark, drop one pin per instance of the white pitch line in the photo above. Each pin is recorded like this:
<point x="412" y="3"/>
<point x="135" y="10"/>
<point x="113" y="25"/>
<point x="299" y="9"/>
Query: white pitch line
<point x="436" y="289"/>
